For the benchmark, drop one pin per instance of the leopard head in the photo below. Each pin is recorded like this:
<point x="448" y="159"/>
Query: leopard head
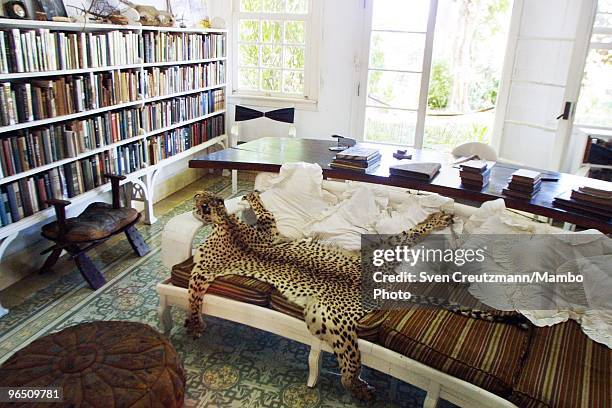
<point x="208" y="207"/>
<point x="438" y="220"/>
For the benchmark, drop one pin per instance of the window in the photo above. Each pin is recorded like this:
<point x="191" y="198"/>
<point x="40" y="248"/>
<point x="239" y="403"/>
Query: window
<point x="275" y="48"/>
<point x="595" y="102"/>
<point x="433" y="69"/>
<point x="398" y="58"/>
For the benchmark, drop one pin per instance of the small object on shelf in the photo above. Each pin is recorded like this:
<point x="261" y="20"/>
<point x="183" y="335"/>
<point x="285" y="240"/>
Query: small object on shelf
<point x="15" y="9"/>
<point x="343" y="143"/>
<point x="150" y="16"/>
<point x="53" y="8"/>
<point x="217" y="22"/>
<point x="417" y="170"/>
<point x="401" y="154"/>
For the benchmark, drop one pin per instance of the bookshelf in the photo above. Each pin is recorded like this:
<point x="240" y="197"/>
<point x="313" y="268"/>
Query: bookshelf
<point x="78" y="100"/>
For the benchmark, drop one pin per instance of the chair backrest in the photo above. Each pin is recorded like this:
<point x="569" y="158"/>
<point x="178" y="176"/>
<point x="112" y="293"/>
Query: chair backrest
<point x="243" y="114"/>
<point x="482" y="150"/>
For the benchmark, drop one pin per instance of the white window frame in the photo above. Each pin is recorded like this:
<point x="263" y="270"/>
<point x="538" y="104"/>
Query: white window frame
<point x="362" y="67"/>
<point x="313" y="39"/>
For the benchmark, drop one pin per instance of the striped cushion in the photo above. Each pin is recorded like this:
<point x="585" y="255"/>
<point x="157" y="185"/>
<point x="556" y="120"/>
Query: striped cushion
<point x="367" y="328"/>
<point x="244" y="289"/>
<point x="483" y="353"/>
<point x="564" y="368"/>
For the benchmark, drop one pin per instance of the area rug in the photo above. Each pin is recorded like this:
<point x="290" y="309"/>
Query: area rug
<point x="231" y="365"/>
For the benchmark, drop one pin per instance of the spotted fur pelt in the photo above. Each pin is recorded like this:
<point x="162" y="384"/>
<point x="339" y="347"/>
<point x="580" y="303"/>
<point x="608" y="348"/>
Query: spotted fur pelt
<point x="324" y="280"/>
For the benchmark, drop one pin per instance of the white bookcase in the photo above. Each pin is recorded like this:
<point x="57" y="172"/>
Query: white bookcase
<point x="140" y="183"/>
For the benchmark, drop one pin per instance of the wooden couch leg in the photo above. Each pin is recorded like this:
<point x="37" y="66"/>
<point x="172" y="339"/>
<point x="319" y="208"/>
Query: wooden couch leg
<point x="136" y="241"/>
<point x="314" y="366"/>
<point x="165" y="315"/>
<point x="433" y="396"/>
<point x="89" y="271"/>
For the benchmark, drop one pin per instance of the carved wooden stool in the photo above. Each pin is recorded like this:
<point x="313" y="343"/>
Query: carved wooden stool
<point x="95" y="225"/>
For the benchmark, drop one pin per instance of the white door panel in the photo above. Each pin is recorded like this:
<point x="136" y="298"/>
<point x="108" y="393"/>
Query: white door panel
<point x="543" y="61"/>
<point x="543" y="68"/>
<point x="535" y="104"/>
<point x="550" y="18"/>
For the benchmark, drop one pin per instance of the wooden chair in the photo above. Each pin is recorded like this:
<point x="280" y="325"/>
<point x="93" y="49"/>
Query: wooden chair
<point x="97" y="223"/>
<point x="482" y="150"/>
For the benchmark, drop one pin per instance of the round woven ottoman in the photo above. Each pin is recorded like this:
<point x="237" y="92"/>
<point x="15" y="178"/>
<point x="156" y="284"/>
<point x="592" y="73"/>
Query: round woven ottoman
<point x="101" y="364"/>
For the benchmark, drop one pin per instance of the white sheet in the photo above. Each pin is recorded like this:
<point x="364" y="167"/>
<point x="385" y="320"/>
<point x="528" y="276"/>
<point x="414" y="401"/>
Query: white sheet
<point x="303" y="209"/>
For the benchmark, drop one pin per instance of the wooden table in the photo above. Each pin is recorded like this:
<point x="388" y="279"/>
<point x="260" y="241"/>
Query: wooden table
<point x="270" y="153"/>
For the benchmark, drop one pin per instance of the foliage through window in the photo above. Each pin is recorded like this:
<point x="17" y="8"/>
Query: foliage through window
<point x="595" y="103"/>
<point x="272" y="47"/>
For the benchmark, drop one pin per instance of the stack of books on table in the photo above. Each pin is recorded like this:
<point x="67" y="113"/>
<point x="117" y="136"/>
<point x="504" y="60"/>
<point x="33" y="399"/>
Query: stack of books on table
<point x="524" y="184"/>
<point x="356" y="158"/>
<point x="475" y="174"/>
<point x="589" y="200"/>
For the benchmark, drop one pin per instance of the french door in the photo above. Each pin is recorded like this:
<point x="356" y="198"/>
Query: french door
<point x="393" y="71"/>
<point x="543" y="70"/>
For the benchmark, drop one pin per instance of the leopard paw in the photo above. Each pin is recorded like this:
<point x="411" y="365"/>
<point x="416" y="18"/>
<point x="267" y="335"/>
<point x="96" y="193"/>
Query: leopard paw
<point x="251" y="197"/>
<point x="194" y="325"/>
<point x="362" y="390"/>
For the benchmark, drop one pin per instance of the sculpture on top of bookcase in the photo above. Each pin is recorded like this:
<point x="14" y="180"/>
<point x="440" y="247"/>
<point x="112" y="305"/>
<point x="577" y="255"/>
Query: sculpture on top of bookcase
<point x="150" y="16"/>
<point x="107" y="11"/>
<point x="191" y="13"/>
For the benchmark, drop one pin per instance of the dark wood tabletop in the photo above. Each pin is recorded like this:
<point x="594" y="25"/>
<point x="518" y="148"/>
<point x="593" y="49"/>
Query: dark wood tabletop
<point x="270" y="153"/>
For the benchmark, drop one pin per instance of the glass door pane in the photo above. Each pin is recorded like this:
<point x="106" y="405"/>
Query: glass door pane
<point x="468" y="54"/>
<point x="395" y="64"/>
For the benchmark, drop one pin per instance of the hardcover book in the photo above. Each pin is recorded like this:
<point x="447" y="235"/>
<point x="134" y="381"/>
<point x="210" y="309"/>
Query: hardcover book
<point x="421" y="171"/>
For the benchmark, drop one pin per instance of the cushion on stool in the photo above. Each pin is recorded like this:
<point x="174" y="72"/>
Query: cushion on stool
<point x="101" y="364"/>
<point x="98" y="221"/>
<point x="241" y="288"/>
<point x="486" y="354"/>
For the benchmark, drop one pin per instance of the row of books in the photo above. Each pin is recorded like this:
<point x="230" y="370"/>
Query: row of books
<point x="167" y="47"/>
<point x="169" y="80"/>
<point x="35" y="100"/>
<point x="26" y="50"/>
<point x="39" y="146"/>
<point x="170" y="143"/>
<point x="43" y="50"/>
<point x="165" y="113"/>
<point x="27" y="196"/>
